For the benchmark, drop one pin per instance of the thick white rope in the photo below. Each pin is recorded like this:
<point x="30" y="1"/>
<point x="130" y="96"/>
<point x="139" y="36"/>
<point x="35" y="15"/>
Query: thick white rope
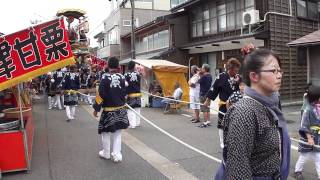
<point x="305" y="143"/>
<point x="175" y="138"/>
<point x="295" y="140"/>
<point x="187" y="102"/>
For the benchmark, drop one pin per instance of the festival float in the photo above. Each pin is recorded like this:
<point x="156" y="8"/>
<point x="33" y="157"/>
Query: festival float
<point x="78" y="27"/>
<point x="25" y="55"/>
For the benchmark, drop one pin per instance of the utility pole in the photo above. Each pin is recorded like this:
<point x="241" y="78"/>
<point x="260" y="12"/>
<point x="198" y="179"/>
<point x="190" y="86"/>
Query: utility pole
<point x="133" y="47"/>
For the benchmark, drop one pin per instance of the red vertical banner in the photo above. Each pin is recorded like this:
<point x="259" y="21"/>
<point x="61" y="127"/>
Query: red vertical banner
<point x="34" y="51"/>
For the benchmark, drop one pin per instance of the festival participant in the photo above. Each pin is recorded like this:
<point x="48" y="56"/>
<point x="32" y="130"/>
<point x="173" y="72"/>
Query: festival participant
<point x="71" y="85"/>
<point x="309" y="132"/>
<point x="205" y="82"/>
<point x="194" y="93"/>
<point x="257" y="144"/>
<point x="134" y="95"/>
<point x="93" y="79"/>
<point x="225" y="84"/>
<point x="58" y="77"/>
<point x="84" y="80"/>
<point x="111" y="98"/>
<point x="49" y="88"/>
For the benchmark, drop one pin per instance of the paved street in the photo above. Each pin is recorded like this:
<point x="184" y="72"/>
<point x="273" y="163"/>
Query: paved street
<point x="68" y="151"/>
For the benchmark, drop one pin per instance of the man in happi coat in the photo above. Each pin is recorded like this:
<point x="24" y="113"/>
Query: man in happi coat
<point x="71" y="85"/>
<point x="58" y="77"/>
<point x="224" y="85"/>
<point x="111" y="99"/>
<point x="134" y="95"/>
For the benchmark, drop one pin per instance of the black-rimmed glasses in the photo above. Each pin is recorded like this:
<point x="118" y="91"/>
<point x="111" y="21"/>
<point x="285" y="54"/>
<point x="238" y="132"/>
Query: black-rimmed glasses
<point x="274" y="71"/>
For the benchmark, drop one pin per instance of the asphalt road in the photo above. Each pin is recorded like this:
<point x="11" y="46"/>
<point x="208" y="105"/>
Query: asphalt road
<point x="69" y="151"/>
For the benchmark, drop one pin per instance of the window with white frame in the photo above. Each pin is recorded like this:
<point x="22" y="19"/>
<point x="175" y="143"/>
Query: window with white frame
<point x="218" y="16"/>
<point x="222" y="17"/>
<point x="197" y="28"/>
<point x="175" y="3"/>
<point x="126" y="22"/>
<point x="206" y="20"/>
<point x="308" y="9"/>
<point x="213" y="18"/>
<point x="153" y="41"/>
<point x="231" y="14"/>
<point x="113" y="35"/>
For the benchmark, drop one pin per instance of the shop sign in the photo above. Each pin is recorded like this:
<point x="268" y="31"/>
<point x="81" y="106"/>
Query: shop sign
<point x="34" y="51"/>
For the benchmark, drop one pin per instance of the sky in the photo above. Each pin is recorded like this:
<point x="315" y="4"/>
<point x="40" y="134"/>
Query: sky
<point x="17" y="14"/>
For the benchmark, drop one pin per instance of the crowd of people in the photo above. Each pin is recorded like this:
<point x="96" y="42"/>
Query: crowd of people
<point x="66" y="86"/>
<point x="252" y="129"/>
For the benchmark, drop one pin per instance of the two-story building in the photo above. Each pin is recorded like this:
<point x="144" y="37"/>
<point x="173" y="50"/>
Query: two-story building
<point x="119" y="23"/>
<point x="214" y="30"/>
<point x="160" y="38"/>
<point x="219" y="28"/>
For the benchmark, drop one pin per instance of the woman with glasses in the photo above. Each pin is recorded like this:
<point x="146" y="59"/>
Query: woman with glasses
<point x="257" y="145"/>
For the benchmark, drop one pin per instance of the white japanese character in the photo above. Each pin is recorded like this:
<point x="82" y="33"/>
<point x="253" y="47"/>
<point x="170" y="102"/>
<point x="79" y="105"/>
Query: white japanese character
<point x="115" y="82"/>
<point x="133" y="77"/>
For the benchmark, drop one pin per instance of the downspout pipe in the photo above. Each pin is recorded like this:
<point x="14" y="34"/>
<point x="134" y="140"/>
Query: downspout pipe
<point x="277" y="13"/>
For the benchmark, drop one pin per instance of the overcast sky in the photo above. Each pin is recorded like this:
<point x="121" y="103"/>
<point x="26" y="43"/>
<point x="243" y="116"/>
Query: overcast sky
<point x="15" y="15"/>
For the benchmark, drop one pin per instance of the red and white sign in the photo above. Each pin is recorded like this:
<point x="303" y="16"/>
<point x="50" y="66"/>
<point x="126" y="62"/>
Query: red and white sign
<point x="34" y="51"/>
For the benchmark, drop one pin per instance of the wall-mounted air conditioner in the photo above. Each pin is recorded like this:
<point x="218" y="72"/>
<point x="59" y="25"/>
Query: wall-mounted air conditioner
<point x="250" y="17"/>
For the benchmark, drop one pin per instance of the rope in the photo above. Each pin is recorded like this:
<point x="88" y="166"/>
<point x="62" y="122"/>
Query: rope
<point x="174" y="138"/>
<point x="305" y="143"/>
<point x="166" y="99"/>
<point x="85" y="94"/>
<point x="187" y="102"/>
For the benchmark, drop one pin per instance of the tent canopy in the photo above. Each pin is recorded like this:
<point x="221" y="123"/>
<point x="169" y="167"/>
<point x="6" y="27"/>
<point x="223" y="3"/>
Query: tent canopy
<point x="168" y="74"/>
<point x="162" y="65"/>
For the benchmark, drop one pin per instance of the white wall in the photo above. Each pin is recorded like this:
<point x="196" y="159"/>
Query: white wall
<point x="162" y="5"/>
<point x="157" y="5"/>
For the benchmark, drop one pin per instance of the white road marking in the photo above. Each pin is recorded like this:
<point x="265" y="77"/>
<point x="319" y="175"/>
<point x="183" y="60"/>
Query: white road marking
<point x="176" y="139"/>
<point x="168" y="168"/>
<point x="185" y="144"/>
<point x="186" y="115"/>
<point x="294" y="113"/>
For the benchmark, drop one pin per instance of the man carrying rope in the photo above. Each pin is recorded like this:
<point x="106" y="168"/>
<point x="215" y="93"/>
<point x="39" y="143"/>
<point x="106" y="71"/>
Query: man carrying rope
<point x="111" y="98"/>
<point x="224" y="85"/>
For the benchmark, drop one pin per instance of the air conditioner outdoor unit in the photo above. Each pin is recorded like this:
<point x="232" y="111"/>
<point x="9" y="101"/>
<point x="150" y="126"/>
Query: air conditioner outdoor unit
<point x="250" y="17"/>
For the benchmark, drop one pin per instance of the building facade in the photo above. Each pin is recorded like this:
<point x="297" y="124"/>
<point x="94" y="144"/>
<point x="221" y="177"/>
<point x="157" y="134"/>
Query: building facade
<point x="159" y="39"/>
<point x="218" y="29"/>
<point x="119" y="23"/>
